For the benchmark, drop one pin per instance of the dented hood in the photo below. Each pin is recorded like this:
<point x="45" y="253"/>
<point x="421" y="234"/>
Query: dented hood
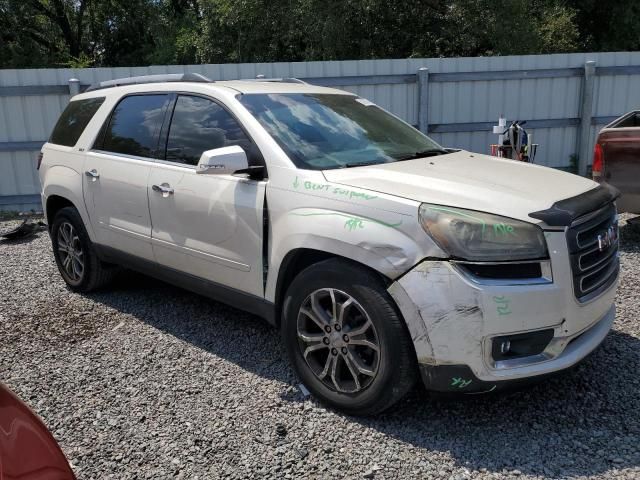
<point x="469" y="180"/>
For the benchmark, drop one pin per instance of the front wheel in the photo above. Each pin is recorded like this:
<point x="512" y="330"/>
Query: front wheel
<point x="346" y="339"/>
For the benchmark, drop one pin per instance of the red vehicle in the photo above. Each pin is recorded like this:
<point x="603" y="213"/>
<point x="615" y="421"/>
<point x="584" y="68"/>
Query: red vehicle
<point x="28" y="451"/>
<point x="616" y="159"/>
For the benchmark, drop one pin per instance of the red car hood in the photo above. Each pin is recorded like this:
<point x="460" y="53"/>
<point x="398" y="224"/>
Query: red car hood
<point x="28" y="451"/>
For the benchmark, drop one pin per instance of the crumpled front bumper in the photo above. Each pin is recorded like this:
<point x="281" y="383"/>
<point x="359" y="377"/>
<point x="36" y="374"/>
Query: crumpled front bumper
<point x="461" y="378"/>
<point x="452" y="321"/>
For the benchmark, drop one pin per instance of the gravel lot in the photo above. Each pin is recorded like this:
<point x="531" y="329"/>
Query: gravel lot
<point x="149" y="381"/>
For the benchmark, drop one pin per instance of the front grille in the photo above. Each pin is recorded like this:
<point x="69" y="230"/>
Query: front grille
<point x="593" y="249"/>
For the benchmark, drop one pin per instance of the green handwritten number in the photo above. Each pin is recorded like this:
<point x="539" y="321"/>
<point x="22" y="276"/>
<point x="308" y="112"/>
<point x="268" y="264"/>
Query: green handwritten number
<point x="502" y="305"/>
<point x="353" y="223"/>
<point x="459" y="382"/>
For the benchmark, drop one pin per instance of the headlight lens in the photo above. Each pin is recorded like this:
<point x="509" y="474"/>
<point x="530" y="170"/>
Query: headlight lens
<point x="477" y="236"/>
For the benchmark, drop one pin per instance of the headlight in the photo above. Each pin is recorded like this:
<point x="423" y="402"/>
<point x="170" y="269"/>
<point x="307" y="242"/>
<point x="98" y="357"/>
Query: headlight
<point x="477" y="236"/>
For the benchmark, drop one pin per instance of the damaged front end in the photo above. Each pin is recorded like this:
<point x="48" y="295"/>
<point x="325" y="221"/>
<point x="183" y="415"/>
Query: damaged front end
<point x="478" y="326"/>
<point x="473" y="337"/>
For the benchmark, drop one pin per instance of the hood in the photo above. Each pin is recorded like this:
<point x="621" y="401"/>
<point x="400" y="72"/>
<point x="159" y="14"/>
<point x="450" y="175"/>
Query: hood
<point x="469" y="180"/>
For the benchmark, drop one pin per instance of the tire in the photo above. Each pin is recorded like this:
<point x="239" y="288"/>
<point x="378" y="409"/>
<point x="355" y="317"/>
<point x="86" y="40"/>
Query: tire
<point x="82" y="271"/>
<point x="362" y="298"/>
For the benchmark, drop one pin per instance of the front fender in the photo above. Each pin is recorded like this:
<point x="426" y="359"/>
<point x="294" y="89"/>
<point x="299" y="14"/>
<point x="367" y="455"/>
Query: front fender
<point x="65" y="182"/>
<point x="376" y="240"/>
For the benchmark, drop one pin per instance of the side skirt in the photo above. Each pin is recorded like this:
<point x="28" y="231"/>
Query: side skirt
<point x="215" y="291"/>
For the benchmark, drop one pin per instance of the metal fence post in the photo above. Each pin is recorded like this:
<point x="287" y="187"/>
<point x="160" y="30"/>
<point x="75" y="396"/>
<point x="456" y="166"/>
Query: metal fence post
<point x="74" y="86"/>
<point x="586" y="110"/>
<point x="423" y="99"/>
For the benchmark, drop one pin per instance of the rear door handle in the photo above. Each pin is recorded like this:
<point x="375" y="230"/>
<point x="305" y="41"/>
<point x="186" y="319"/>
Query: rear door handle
<point x="92" y="174"/>
<point x="164" y="188"/>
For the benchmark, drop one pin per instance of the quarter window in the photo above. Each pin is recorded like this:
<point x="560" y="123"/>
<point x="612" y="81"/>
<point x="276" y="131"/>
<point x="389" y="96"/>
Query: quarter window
<point x="135" y="125"/>
<point x="73" y="121"/>
<point x="199" y="124"/>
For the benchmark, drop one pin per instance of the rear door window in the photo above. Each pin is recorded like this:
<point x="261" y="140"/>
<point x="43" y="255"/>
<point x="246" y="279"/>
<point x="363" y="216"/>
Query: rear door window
<point x="134" y="126"/>
<point x="199" y="124"/>
<point x="73" y="121"/>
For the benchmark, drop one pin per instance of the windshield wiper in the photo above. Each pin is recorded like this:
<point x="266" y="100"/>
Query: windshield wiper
<point x="424" y="153"/>
<point x="359" y="164"/>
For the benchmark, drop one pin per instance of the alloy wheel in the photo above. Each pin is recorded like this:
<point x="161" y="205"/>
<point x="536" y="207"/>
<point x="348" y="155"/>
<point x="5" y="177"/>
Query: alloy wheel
<point x="338" y="340"/>
<point x="70" y="252"/>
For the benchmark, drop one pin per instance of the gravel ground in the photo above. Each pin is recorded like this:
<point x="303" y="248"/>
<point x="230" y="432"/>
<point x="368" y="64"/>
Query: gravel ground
<point x="149" y="381"/>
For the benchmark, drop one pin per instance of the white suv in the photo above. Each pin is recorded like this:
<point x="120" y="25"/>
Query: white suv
<point x="379" y="254"/>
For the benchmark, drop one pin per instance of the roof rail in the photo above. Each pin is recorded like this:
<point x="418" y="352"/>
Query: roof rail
<point x="261" y="78"/>
<point x="169" y="77"/>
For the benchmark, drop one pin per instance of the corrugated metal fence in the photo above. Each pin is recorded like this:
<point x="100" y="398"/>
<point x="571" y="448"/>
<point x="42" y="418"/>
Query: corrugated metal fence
<point x="565" y="98"/>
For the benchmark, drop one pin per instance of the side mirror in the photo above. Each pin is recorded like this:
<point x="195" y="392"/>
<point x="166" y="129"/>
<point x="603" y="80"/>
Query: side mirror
<point x="223" y="161"/>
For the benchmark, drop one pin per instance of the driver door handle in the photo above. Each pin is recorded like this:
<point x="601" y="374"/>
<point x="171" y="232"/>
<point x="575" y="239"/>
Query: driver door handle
<point x="165" y="189"/>
<point x="93" y="174"/>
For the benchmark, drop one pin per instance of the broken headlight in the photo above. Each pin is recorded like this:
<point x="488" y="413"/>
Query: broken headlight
<point x="482" y="237"/>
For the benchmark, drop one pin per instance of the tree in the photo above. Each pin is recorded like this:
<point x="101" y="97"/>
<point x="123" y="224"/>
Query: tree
<point x="64" y="32"/>
<point x="509" y="27"/>
<point x="607" y="25"/>
<point x="28" y="34"/>
<point x="36" y="33"/>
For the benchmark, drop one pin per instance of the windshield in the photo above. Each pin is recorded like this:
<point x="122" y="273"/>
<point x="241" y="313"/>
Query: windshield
<point x="325" y="131"/>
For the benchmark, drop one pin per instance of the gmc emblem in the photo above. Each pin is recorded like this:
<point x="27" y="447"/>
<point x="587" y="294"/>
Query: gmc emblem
<point x="608" y="238"/>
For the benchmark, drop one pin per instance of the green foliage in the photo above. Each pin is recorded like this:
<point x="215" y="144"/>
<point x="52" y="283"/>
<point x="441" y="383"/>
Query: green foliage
<point x="80" y="33"/>
<point x="557" y="30"/>
<point x="607" y="25"/>
<point x="510" y="27"/>
<point x="83" y="61"/>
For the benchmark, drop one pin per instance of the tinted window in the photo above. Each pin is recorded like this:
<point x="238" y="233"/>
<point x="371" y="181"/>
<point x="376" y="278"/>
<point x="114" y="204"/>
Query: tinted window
<point x="135" y="125"/>
<point x="73" y="121"/>
<point x="632" y="120"/>
<point x="198" y="125"/>
<point x="323" y="131"/>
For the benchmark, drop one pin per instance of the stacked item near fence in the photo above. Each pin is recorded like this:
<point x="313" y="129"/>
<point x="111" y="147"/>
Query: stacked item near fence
<point x="514" y="142"/>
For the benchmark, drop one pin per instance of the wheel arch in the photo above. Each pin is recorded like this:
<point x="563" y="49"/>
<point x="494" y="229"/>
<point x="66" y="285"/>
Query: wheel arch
<point x="398" y="356"/>
<point x="54" y="204"/>
<point x="297" y="260"/>
<point x="62" y="188"/>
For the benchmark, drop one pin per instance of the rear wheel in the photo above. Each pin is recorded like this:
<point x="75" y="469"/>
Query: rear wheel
<point x="346" y="339"/>
<point x="75" y="254"/>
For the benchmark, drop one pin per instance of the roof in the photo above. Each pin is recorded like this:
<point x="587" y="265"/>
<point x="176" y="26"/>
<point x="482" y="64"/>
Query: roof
<point x="196" y="82"/>
<point x="256" y="86"/>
